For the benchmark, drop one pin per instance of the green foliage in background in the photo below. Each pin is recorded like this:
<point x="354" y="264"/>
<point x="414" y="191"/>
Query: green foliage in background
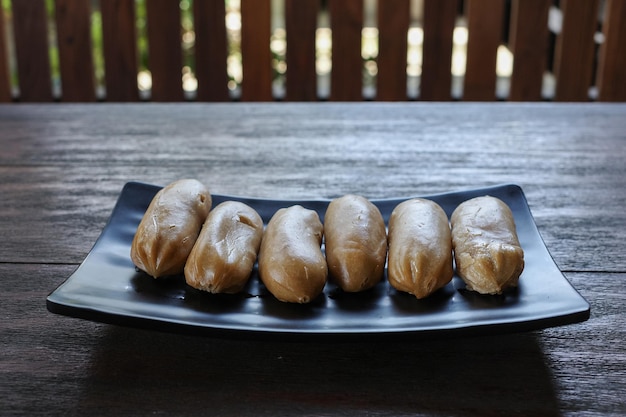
<point x="187" y="36"/>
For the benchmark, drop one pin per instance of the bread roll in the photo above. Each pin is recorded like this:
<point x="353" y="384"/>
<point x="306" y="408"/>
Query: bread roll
<point x="356" y="243"/>
<point x="487" y="252"/>
<point x="291" y="263"/>
<point x="420" y="248"/>
<point x="169" y="228"/>
<point x="223" y="257"/>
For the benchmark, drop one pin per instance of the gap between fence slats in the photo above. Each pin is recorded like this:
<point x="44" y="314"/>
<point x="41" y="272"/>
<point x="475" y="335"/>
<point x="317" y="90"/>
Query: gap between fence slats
<point x="346" y="77"/>
<point x="164" y="49"/>
<point x="528" y="40"/>
<point x="612" y="66"/>
<point x="5" y="80"/>
<point x="484" y="25"/>
<point x="30" y="28"/>
<point x="575" y="49"/>
<point x="120" y="49"/>
<point x="211" y="50"/>
<point x="439" y="21"/>
<point x="393" y="26"/>
<point x="301" y="24"/>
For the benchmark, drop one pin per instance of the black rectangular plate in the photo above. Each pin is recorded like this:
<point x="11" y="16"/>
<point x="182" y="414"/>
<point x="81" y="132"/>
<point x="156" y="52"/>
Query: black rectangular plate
<point x="107" y="288"/>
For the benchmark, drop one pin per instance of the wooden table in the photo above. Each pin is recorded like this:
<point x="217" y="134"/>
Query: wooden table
<point x="62" y="168"/>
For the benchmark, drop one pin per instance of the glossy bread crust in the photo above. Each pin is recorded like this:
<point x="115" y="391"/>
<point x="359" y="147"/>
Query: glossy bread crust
<point x="169" y="228"/>
<point x="223" y="257"/>
<point x="420" y="248"/>
<point x="356" y="243"/>
<point x="487" y="251"/>
<point x="291" y="263"/>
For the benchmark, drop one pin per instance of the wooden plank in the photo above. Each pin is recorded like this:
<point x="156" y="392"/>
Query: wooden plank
<point x="30" y="29"/>
<point x="120" y="49"/>
<point x="301" y="24"/>
<point x="393" y="27"/>
<point x="439" y="20"/>
<point x="56" y="201"/>
<point x="346" y="77"/>
<point x="528" y="40"/>
<point x="164" y="49"/>
<point x="295" y="142"/>
<point x="575" y="50"/>
<point x="73" y="23"/>
<point x="612" y="65"/>
<point x="256" y="56"/>
<point x="484" y="25"/>
<point x="5" y="76"/>
<point x="211" y="50"/>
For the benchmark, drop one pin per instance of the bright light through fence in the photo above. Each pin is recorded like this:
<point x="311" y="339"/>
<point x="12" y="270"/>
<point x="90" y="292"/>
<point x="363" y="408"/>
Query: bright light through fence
<point x="504" y="63"/>
<point x="278" y="46"/>
<point x="415" y="43"/>
<point x="323" y="45"/>
<point x="459" y="51"/>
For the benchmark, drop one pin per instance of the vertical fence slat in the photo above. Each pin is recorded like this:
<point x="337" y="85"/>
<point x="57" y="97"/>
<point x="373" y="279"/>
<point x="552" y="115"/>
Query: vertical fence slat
<point x="439" y="20"/>
<point x="574" y="53"/>
<point x="484" y="26"/>
<point x="30" y="28"/>
<point x="211" y="50"/>
<point x="346" y="77"/>
<point x="120" y="49"/>
<point x="73" y="22"/>
<point x="528" y="40"/>
<point x="612" y="65"/>
<point x="164" y="49"/>
<point x="301" y="23"/>
<point x="255" y="50"/>
<point x="5" y="83"/>
<point x="393" y="26"/>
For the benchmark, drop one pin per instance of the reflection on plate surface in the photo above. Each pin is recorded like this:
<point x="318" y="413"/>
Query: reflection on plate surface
<point x="107" y="288"/>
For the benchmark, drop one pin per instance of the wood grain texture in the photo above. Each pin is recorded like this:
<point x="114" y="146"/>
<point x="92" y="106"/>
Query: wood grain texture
<point x="62" y="168"/>
<point x="575" y="49"/>
<point x="561" y="371"/>
<point x="439" y="20"/>
<point x="301" y="24"/>
<point x="5" y="80"/>
<point x="30" y="31"/>
<point x="556" y="153"/>
<point x="256" y="56"/>
<point x="346" y="23"/>
<point x="393" y="27"/>
<point x="484" y="25"/>
<point x="73" y="24"/>
<point x="528" y="40"/>
<point x="612" y="65"/>
<point x="119" y="41"/>
<point x="164" y="49"/>
<point x="211" y="50"/>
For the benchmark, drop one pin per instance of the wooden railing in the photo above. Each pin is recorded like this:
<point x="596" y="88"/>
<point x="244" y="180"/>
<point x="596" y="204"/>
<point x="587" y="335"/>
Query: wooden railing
<point x="585" y="56"/>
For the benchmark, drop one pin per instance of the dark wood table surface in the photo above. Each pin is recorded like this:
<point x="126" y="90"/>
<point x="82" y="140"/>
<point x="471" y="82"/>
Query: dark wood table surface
<point x="62" y="168"/>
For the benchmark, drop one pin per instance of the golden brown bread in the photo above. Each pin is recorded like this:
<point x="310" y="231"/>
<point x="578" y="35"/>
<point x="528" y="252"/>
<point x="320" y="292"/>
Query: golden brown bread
<point x="291" y="263"/>
<point x="420" y="248"/>
<point x="223" y="257"/>
<point x="356" y="243"/>
<point x="487" y="251"/>
<point x="169" y="228"/>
